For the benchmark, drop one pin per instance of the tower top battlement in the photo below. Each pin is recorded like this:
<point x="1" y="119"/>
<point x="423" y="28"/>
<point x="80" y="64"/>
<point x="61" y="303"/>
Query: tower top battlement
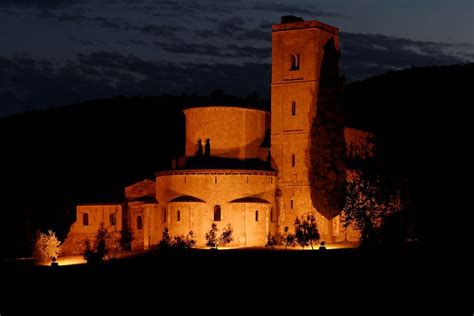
<point x="301" y="24"/>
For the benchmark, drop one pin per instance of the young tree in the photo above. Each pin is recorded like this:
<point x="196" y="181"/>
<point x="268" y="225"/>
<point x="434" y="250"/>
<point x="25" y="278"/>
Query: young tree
<point x="288" y="239"/>
<point x="47" y="246"/>
<point x="306" y="230"/>
<point x="165" y="242"/>
<point x="271" y="241"/>
<point x="183" y="242"/>
<point x="214" y="241"/>
<point x="113" y="245"/>
<point x="105" y="245"/>
<point x="190" y="240"/>
<point x="101" y="242"/>
<point x="226" y="236"/>
<point x="211" y="237"/>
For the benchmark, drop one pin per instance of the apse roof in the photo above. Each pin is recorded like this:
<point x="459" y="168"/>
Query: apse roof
<point x="186" y="198"/>
<point x="250" y="199"/>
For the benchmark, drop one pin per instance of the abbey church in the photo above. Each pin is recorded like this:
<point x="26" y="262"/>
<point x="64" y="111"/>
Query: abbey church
<point x="245" y="167"/>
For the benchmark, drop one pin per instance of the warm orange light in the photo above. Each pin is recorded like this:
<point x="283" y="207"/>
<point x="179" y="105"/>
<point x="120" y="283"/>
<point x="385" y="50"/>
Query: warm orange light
<point x="316" y="246"/>
<point x="67" y="261"/>
<point x="338" y="245"/>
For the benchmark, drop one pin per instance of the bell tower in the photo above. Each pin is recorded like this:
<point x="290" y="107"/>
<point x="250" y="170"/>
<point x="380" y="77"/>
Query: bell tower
<point x="297" y="54"/>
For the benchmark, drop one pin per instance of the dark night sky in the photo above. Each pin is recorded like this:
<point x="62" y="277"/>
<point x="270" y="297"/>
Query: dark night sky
<point x="56" y="52"/>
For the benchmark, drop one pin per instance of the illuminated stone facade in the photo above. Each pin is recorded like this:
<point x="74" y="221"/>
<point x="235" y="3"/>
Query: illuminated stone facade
<point x="89" y="218"/>
<point x="233" y="132"/>
<point x="244" y="198"/>
<point x="297" y="55"/>
<point x="228" y="175"/>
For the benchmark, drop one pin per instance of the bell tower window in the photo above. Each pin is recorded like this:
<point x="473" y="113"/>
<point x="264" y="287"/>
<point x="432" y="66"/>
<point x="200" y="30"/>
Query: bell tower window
<point x="295" y="62"/>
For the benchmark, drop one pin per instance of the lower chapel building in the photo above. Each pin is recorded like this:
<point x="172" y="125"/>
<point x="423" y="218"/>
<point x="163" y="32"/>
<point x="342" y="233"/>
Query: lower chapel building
<point x="230" y="173"/>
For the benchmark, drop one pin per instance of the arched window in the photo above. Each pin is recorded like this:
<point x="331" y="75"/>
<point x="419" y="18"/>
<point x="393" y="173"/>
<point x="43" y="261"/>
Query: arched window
<point x="112" y="219"/>
<point x="139" y="222"/>
<point x="85" y="219"/>
<point x="178" y="215"/>
<point x="217" y="213"/>
<point x="292" y="204"/>
<point x="293" y="160"/>
<point x="293" y="108"/>
<point x="295" y="61"/>
<point x="256" y="216"/>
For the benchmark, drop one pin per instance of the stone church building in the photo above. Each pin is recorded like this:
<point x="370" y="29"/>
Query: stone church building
<point x="245" y="167"/>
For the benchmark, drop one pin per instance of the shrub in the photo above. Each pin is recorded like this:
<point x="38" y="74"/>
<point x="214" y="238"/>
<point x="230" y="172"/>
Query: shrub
<point x="165" y="242"/>
<point x="214" y="241"/>
<point x="184" y="242"/>
<point x="105" y="245"/>
<point x="180" y="242"/>
<point x="306" y="231"/>
<point x="47" y="246"/>
<point x="288" y="239"/>
<point x="271" y="241"/>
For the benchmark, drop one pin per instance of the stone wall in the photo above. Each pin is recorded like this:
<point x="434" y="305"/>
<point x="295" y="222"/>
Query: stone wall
<point x="294" y="102"/>
<point x="142" y="188"/>
<point x="238" y="193"/>
<point x="233" y="132"/>
<point x="93" y="216"/>
<point x="149" y="232"/>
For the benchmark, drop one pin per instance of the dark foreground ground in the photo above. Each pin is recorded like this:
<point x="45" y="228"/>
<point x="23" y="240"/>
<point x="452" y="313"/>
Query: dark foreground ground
<point x="199" y="279"/>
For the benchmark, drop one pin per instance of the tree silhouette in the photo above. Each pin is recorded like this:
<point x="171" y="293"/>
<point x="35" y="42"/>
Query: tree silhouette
<point x="211" y="237"/>
<point x="287" y="238"/>
<point x="328" y="169"/>
<point x="105" y="245"/>
<point x="306" y="231"/>
<point x="214" y="241"/>
<point x="179" y="242"/>
<point x="165" y="242"/>
<point x="182" y="242"/>
<point x="374" y="201"/>
<point x="271" y="241"/>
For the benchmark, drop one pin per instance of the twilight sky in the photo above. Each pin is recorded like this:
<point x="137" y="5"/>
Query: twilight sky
<point x="57" y="52"/>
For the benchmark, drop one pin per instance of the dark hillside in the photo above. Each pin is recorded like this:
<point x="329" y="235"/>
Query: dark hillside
<point x="421" y="119"/>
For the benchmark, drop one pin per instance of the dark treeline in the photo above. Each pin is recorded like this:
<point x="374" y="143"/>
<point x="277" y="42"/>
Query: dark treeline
<point x="420" y="118"/>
